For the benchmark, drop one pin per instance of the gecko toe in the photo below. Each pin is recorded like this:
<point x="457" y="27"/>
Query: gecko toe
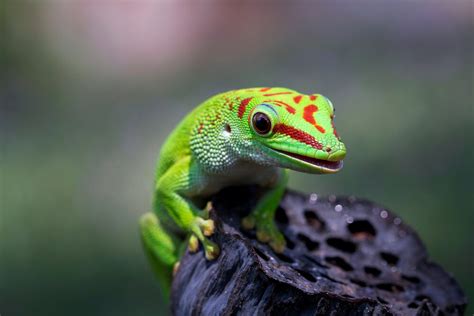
<point x="248" y="222"/>
<point x="212" y="251"/>
<point x="193" y="244"/>
<point x="278" y="245"/>
<point x="208" y="227"/>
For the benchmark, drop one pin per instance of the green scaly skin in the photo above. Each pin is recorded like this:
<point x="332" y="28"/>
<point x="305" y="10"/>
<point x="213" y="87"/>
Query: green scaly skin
<point x="247" y="136"/>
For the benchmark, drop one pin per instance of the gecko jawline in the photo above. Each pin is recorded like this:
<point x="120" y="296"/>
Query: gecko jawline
<point x="330" y="166"/>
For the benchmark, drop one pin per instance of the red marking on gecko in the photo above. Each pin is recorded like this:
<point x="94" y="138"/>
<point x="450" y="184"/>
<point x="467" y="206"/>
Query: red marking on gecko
<point x="308" y="115"/>
<point x="312" y="97"/>
<point x="277" y="93"/>
<point x="243" y="106"/>
<point x="288" y="107"/>
<point x="264" y="89"/>
<point x="298" y="135"/>
<point x="297" y="99"/>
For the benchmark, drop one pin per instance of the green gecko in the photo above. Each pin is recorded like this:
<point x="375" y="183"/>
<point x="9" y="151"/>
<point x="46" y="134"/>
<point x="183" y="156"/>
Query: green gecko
<point x="247" y="136"/>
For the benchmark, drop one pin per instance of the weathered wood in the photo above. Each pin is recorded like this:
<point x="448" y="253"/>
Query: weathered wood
<point x="345" y="256"/>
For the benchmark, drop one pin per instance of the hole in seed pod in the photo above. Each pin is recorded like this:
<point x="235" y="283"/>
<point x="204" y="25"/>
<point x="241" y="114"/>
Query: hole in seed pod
<point x="362" y="229"/>
<point x="390" y="287"/>
<point x="284" y="257"/>
<point x="359" y="282"/>
<point x="389" y="258"/>
<point x="261" y="254"/>
<point x="309" y="243"/>
<point x="413" y="305"/>
<point x="313" y="220"/>
<point x="308" y="276"/>
<point x="281" y="217"/>
<point x="289" y="243"/>
<point x="422" y="298"/>
<point x="412" y="279"/>
<point x="342" y="245"/>
<point x="323" y="275"/>
<point x="340" y="263"/>
<point x="373" y="271"/>
<point x="315" y="261"/>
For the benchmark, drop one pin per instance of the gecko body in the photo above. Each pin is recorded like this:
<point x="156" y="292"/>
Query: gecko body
<point x="246" y="136"/>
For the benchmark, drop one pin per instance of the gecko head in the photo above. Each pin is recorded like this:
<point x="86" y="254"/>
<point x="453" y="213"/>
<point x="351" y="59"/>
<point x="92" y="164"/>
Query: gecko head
<point x="297" y="132"/>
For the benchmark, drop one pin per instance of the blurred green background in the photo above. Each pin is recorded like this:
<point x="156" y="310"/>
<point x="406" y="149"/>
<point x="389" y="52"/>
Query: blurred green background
<point x="91" y="89"/>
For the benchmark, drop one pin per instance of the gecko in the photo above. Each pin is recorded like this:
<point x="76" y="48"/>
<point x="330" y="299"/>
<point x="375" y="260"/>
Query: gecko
<point x="239" y="137"/>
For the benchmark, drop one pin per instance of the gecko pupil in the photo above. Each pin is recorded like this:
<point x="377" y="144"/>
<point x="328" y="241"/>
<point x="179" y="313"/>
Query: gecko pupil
<point x="262" y="123"/>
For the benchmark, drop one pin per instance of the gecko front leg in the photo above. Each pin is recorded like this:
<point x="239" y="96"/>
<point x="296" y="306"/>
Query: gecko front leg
<point x="172" y="191"/>
<point x="262" y="217"/>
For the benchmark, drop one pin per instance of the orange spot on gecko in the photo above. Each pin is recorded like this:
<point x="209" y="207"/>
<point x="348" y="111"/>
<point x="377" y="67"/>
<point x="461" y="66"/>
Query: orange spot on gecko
<point x="312" y="97"/>
<point x="200" y="128"/>
<point x="277" y="93"/>
<point x="297" y="99"/>
<point x="264" y="89"/>
<point x="334" y="130"/>
<point x="308" y="115"/>
<point x="243" y="106"/>
<point x="288" y="107"/>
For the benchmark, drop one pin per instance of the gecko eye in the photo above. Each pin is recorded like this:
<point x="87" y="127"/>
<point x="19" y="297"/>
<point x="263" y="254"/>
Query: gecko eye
<point x="261" y="123"/>
<point x="331" y="106"/>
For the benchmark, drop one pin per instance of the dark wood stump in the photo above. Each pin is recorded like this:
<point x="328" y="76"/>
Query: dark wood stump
<point x="345" y="256"/>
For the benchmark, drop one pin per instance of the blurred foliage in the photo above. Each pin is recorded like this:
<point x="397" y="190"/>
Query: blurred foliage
<point x="82" y="125"/>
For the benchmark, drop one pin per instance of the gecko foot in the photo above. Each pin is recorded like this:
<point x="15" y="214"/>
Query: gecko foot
<point x="201" y="229"/>
<point x="211" y="249"/>
<point x="267" y="232"/>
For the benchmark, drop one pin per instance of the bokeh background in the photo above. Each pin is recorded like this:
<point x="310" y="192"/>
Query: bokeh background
<point x="91" y="89"/>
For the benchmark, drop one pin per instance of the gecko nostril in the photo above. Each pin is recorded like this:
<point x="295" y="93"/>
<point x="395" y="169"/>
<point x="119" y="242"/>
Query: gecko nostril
<point x="328" y="149"/>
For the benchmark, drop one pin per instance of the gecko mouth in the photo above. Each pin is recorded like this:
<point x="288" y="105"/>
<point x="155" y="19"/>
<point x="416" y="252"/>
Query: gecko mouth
<point x="329" y="166"/>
